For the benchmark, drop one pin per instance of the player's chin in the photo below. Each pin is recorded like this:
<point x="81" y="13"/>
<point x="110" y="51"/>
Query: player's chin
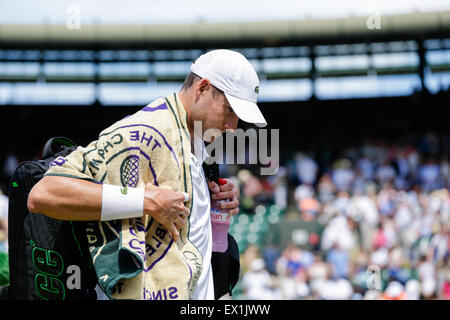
<point x="212" y="134"/>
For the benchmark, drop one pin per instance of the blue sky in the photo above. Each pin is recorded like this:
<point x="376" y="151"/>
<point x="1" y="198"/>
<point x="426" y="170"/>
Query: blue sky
<point x="190" y="11"/>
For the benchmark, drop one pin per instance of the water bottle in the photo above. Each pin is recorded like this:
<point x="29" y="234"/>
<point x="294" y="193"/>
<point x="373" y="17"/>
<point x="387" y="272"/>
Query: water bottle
<point x="220" y="223"/>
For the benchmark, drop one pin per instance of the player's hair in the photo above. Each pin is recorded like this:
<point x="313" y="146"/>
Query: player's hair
<point x="190" y="78"/>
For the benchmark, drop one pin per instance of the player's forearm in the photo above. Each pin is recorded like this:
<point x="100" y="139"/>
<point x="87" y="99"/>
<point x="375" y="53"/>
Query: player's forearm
<point x="66" y="199"/>
<point x="75" y="199"/>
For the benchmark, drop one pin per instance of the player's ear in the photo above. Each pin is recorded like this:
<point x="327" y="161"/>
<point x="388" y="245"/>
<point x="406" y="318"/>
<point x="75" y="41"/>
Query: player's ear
<point x="203" y="86"/>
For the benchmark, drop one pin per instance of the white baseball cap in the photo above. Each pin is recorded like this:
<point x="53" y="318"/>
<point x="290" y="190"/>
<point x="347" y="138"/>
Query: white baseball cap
<point x="232" y="73"/>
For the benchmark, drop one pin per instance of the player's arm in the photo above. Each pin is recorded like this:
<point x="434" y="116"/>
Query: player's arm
<point x="67" y="198"/>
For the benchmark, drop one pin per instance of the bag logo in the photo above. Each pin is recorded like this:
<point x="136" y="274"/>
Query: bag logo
<point x="49" y="267"/>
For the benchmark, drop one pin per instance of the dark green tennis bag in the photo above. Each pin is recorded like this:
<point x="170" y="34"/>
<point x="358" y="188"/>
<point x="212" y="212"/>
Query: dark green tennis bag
<point x="48" y="258"/>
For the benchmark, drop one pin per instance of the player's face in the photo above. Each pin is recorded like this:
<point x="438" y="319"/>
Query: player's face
<point x="216" y="112"/>
<point x="223" y="111"/>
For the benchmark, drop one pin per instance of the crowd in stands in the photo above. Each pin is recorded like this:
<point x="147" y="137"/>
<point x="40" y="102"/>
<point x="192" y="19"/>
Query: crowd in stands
<point x="385" y="217"/>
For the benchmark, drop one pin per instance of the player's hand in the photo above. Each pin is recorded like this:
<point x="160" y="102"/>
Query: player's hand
<point x="230" y="191"/>
<point x="167" y="207"/>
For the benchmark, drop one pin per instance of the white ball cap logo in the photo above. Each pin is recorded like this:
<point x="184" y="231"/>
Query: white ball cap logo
<point x="232" y="73"/>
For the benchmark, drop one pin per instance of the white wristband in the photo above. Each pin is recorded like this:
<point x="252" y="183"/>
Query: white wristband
<point x="121" y="202"/>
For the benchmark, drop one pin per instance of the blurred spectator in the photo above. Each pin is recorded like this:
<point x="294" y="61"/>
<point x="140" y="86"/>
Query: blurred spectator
<point x="427" y="276"/>
<point x="364" y="210"/>
<point x="444" y="169"/>
<point x="413" y="289"/>
<point x="10" y="165"/>
<point x="326" y="188"/>
<point x="3" y="222"/>
<point x="339" y="260"/>
<point x="257" y="282"/>
<point x="337" y="232"/>
<point x="343" y="175"/>
<point x="429" y="175"/>
<point x="280" y="183"/>
<point x="394" y="291"/>
<point x="336" y="289"/>
<point x="385" y="173"/>
<point x="270" y="254"/>
<point x="439" y="243"/>
<point x="250" y="254"/>
<point x="306" y="168"/>
<point x="302" y="289"/>
<point x="412" y="156"/>
<point x="252" y="189"/>
<point x="302" y="192"/>
<point x="386" y="200"/>
<point x="342" y="202"/>
<point x="445" y="291"/>
<point x="319" y="270"/>
<point x="366" y="167"/>
<point x="308" y="224"/>
<point x="292" y="260"/>
<point x="309" y="209"/>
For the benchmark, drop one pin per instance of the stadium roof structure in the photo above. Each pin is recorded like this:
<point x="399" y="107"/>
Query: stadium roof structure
<point x="377" y="55"/>
<point x="232" y="34"/>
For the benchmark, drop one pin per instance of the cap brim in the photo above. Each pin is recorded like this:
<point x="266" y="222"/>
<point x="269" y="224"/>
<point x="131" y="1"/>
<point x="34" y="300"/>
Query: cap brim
<point x="246" y="110"/>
